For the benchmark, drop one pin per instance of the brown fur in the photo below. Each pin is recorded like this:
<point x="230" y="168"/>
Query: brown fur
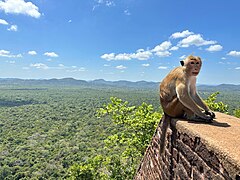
<point x="178" y="94"/>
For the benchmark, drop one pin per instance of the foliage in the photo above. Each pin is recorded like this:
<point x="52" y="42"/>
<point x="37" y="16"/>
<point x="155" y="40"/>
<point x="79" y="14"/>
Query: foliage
<point x="237" y="113"/>
<point x="216" y="106"/>
<point x="46" y="130"/>
<point x="87" y="171"/>
<point x="137" y="126"/>
<point x="52" y="132"/>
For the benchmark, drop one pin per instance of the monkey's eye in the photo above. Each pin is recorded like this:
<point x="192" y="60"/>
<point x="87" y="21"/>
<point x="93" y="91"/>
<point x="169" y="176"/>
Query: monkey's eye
<point x="197" y="62"/>
<point x="192" y="62"/>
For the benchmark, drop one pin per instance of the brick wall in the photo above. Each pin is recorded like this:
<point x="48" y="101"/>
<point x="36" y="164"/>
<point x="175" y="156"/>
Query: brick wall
<point x="194" y="151"/>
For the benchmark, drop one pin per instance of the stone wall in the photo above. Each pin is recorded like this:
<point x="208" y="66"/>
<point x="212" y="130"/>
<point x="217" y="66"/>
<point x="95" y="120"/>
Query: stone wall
<point x="194" y="151"/>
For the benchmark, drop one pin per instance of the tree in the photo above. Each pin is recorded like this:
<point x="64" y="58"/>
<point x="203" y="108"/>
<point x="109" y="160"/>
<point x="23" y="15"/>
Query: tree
<point x="216" y="106"/>
<point x="126" y="146"/>
<point x="134" y="128"/>
<point x="237" y="113"/>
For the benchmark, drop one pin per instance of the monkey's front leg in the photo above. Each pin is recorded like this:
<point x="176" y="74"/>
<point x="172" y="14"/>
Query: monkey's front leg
<point x="210" y="113"/>
<point x="199" y="119"/>
<point x="189" y="115"/>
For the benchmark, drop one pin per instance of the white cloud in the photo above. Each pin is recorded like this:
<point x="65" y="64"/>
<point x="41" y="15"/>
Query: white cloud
<point x="174" y="48"/>
<point x="82" y="69"/>
<point x="70" y="21"/>
<point x="237" y="68"/>
<point x="20" y="7"/>
<point x="11" y="62"/>
<point x="13" y="28"/>
<point x="106" y="3"/>
<point x="162" y="47"/>
<point x="109" y="3"/>
<point x="32" y="53"/>
<point x="106" y="65"/>
<point x="161" y="50"/>
<point x="145" y="65"/>
<point x="234" y="53"/>
<point x="214" y="48"/>
<point x="123" y="56"/>
<point x="108" y="57"/>
<point x="140" y="55"/>
<point x="50" y="54"/>
<point x="5" y="53"/>
<point x="196" y="40"/>
<point x="127" y="13"/>
<point x="2" y="21"/>
<point x="39" y="66"/>
<point x="182" y="34"/>
<point x="163" y="54"/>
<point x="223" y="58"/>
<point x="162" y="67"/>
<point x="121" y="67"/>
<point x="183" y="57"/>
<point x="61" y="65"/>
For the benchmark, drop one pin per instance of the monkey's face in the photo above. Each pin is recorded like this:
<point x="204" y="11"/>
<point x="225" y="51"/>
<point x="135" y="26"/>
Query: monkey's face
<point x="193" y="66"/>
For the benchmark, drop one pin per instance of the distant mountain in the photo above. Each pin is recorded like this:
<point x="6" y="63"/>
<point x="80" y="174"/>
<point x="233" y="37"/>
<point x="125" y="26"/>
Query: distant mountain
<point x="104" y="83"/>
<point x="123" y="83"/>
<point x="62" y="82"/>
<point x="221" y="87"/>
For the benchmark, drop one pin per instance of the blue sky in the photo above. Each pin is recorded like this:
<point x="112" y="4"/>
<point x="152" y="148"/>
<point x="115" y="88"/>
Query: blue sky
<point x="118" y="39"/>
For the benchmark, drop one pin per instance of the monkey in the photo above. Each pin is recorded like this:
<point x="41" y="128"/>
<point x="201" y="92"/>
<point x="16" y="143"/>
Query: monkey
<point x="179" y="97"/>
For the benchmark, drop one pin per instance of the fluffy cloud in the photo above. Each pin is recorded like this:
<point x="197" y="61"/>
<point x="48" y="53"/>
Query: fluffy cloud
<point x="165" y="48"/>
<point x="162" y="67"/>
<point x="127" y="13"/>
<point x="106" y="3"/>
<point x="39" y="66"/>
<point x="145" y="65"/>
<point x="162" y="47"/>
<point x="163" y="54"/>
<point x="234" y="53"/>
<point x="13" y="28"/>
<point x="11" y="62"/>
<point x="121" y="67"/>
<point x="195" y="39"/>
<point x="82" y="69"/>
<point x="4" y="53"/>
<point x="161" y="50"/>
<point x="140" y="55"/>
<point x="32" y="53"/>
<point x="183" y="57"/>
<point x="181" y="34"/>
<point x="2" y="21"/>
<point x="50" y="54"/>
<point x="214" y="48"/>
<point x="174" y="48"/>
<point x="237" y="68"/>
<point x="108" y="57"/>
<point x="20" y="7"/>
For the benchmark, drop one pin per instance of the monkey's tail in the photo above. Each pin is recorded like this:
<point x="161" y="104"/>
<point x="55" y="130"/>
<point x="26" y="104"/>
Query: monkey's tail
<point x="165" y="124"/>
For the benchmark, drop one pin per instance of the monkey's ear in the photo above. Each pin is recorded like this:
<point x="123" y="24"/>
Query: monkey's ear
<point x="182" y="63"/>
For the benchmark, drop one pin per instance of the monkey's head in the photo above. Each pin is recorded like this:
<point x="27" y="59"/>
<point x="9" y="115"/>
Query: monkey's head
<point x="192" y="65"/>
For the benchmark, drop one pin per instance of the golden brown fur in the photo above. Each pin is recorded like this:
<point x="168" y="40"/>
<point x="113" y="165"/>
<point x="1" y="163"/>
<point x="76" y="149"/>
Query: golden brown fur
<point x="178" y="95"/>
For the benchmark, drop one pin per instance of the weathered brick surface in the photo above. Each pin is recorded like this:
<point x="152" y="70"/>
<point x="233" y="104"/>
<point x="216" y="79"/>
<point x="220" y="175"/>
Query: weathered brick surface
<point x="186" y="156"/>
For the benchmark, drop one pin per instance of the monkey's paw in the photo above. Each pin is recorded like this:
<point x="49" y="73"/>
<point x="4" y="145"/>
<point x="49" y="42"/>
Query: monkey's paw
<point x="211" y="114"/>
